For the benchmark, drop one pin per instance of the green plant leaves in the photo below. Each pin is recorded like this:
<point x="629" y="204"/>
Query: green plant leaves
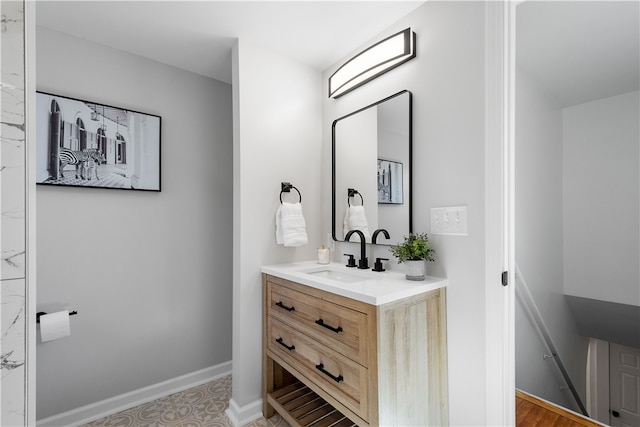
<point x="414" y="247"/>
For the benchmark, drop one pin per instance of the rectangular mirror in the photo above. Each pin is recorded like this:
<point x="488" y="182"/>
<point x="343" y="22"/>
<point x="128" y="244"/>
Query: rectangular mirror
<point x="371" y="167"/>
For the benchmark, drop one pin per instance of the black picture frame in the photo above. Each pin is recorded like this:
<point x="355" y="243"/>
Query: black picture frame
<point x="82" y="143"/>
<point x="390" y="179"/>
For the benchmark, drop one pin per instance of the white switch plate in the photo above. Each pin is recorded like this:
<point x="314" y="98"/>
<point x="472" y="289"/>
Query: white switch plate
<point x="450" y="221"/>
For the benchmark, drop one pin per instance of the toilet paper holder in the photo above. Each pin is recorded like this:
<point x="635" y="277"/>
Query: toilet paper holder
<point x="42" y="313"/>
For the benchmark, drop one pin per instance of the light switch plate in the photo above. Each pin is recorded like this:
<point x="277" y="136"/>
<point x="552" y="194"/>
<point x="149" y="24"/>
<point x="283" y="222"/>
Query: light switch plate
<point x="450" y="221"/>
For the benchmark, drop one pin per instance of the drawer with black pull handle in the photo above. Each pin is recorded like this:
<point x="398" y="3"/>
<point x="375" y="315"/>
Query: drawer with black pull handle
<point x="343" y="377"/>
<point x="340" y="328"/>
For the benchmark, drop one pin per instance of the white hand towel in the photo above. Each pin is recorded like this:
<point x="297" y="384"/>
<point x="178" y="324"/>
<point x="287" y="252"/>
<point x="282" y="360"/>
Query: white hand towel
<point x="356" y="219"/>
<point x="290" y="225"/>
<point x="346" y="225"/>
<point x="279" y="237"/>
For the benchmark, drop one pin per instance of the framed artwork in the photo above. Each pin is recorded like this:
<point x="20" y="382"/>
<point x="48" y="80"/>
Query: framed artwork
<point x="390" y="188"/>
<point x="85" y="144"/>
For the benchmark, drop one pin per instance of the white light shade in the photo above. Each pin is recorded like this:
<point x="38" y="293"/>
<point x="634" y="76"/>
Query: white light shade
<point x="372" y="62"/>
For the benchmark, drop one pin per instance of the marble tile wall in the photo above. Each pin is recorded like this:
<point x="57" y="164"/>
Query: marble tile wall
<point x="12" y="214"/>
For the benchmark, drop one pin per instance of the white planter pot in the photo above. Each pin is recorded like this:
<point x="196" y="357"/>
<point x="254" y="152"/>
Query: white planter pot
<point x="416" y="269"/>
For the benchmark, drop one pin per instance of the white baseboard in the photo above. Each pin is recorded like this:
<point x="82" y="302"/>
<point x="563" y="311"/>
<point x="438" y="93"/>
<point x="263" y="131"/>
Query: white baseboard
<point x="97" y="410"/>
<point x="240" y="416"/>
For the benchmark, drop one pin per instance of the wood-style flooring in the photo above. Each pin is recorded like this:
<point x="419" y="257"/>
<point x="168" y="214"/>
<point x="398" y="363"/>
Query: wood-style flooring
<point x="533" y="412"/>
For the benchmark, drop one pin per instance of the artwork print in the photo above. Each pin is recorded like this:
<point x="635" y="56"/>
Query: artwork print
<point x="390" y="189"/>
<point x="86" y="144"/>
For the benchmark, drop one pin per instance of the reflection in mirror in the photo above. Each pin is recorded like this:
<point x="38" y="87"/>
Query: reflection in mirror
<point x="372" y="170"/>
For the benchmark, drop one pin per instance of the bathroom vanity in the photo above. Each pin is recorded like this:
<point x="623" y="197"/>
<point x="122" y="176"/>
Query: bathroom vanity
<point x="353" y="347"/>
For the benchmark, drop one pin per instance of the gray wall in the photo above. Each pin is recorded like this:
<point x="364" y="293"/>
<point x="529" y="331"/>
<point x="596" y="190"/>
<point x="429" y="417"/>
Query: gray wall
<point x="149" y="273"/>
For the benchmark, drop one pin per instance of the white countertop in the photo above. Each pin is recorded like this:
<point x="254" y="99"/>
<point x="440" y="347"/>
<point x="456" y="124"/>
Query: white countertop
<point x="375" y="288"/>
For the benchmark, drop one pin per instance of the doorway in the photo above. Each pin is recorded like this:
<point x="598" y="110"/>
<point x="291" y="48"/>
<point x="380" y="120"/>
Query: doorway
<point x="577" y="163"/>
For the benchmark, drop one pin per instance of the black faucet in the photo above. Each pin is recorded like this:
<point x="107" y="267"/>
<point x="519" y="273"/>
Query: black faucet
<point x="377" y="266"/>
<point x="363" y="262"/>
<point x="378" y="231"/>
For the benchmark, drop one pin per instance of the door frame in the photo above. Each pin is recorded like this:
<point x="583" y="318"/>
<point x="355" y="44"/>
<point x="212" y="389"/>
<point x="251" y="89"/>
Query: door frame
<point x="30" y="210"/>
<point x="499" y="211"/>
<point x="598" y="380"/>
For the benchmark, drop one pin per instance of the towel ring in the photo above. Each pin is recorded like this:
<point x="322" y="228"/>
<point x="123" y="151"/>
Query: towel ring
<point x="286" y="188"/>
<point x="351" y="193"/>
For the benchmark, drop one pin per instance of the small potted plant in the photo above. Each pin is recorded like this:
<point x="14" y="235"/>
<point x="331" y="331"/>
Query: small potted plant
<point x="414" y="250"/>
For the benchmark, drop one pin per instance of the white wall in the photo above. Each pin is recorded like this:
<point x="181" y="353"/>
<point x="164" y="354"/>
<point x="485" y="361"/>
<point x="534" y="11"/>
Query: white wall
<point x="539" y="244"/>
<point x="277" y="137"/>
<point x="447" y="82"/>
<point x="602" y="199"/>
<point x="149" y="273"/>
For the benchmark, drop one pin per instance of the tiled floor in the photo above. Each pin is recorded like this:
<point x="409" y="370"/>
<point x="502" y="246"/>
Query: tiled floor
<point x="196" y="407"/>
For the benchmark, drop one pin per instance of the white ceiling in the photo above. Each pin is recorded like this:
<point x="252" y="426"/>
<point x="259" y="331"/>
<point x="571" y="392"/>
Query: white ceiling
<point x="198" y="35"/>
<point x="580" y="50"/>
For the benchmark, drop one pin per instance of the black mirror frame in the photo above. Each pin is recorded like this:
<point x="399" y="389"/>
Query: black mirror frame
<point x="333" y="159"/>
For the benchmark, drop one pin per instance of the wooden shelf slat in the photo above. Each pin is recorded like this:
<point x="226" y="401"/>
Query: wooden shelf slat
<point x="329" y="420"/>
<point x="291" y="388"/>
<point x="291" y="398"/>
<point x="315" y="416"/>
<point x="301" y="407"/>
<point x="305" y="399"/>
<point x="302" y="410"/>
<point x="346" y="422"/>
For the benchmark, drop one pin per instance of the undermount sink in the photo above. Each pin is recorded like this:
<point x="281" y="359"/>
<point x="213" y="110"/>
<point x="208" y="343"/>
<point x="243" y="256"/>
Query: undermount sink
<point x="338" y="276"/>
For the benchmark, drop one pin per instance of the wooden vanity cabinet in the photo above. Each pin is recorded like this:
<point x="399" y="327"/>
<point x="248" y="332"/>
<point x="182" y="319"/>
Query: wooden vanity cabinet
<point x="330" y="360"/>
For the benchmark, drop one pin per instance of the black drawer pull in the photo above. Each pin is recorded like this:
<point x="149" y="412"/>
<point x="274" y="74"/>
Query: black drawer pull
<point x="331" y="328"/>
<point x="337" y="379"/>
<point x="288" y="347"/>
<point x="281" y="305"/>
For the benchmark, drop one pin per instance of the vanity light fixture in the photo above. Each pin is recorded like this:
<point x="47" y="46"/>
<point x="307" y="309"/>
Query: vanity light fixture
<point x="372" y="62"/>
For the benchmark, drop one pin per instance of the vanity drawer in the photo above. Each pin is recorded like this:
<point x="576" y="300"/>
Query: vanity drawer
<point x="338" y="327"/>
<point x="339" y="376"/>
